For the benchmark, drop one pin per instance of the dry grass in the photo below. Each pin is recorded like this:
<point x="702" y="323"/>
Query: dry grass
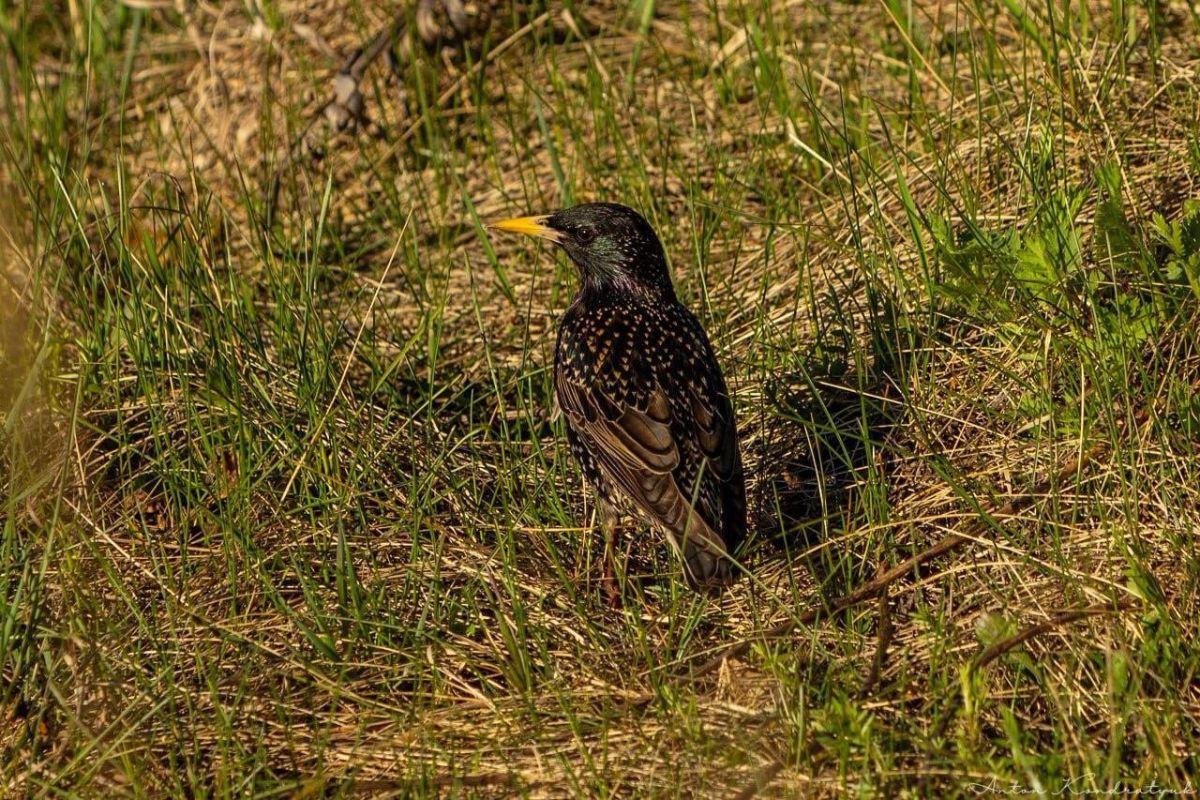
<point x="297" y="517"/>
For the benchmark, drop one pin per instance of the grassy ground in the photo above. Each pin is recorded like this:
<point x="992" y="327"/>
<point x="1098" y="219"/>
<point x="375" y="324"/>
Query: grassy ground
<point x="286" y="504"/>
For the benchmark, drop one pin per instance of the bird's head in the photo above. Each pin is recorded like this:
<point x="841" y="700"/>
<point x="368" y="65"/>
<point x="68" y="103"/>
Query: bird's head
<point x="613" y="246"/>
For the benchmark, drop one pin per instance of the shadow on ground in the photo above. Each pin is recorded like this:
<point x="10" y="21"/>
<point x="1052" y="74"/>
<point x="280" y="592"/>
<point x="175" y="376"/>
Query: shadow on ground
<point x="818" y="455"/>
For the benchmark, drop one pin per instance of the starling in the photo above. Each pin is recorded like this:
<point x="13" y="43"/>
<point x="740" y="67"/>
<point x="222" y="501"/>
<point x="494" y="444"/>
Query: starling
<point x="648" y="414"/>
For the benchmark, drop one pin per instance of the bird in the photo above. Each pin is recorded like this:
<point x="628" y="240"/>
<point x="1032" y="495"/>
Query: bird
<point x="648" y="414"/>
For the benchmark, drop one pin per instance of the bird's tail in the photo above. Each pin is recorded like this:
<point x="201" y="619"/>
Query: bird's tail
<point x="706" y="560"/>
<point x="705" y="569"/>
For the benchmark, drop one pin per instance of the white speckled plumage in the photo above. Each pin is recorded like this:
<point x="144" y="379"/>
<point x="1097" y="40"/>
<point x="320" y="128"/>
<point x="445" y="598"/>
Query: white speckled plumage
<point x="648" y="413"/>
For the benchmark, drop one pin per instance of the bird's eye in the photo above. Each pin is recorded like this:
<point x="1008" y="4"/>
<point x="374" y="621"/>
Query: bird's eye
<point x="585" y="235"/>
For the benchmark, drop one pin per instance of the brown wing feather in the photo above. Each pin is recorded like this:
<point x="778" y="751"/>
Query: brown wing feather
<point x="717" y="437"/>
<point x="638" y="452"/>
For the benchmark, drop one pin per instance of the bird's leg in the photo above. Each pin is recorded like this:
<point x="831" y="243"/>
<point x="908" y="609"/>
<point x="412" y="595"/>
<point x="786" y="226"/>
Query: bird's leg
<point x="609" y="522"/>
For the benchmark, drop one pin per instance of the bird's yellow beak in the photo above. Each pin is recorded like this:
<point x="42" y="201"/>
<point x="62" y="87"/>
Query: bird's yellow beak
<point x="530" y="226"/>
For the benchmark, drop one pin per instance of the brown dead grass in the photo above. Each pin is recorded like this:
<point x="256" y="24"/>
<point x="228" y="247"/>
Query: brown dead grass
<point x="203" y="81"/>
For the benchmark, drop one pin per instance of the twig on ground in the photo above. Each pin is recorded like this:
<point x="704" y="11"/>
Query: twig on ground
<point x="883" y="640"/>
<point x="997" y="649"/>
<point x="344" y="107"/>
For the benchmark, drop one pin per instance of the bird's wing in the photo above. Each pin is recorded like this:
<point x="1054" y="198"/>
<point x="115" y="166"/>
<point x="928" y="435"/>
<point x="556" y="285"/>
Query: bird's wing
<point x="716" y="437"/>
<point x="638" y="444"/>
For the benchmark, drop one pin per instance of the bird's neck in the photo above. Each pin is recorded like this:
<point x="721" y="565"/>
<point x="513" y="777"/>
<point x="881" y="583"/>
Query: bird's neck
<point x="618" y="289"/>
<point x="649" y="280"/>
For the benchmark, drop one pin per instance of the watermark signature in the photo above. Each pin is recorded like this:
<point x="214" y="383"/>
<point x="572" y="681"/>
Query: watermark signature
<point x="1075" y="787"/>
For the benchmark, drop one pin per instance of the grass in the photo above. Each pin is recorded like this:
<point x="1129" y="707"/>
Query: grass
<point x="287" y="508"/>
